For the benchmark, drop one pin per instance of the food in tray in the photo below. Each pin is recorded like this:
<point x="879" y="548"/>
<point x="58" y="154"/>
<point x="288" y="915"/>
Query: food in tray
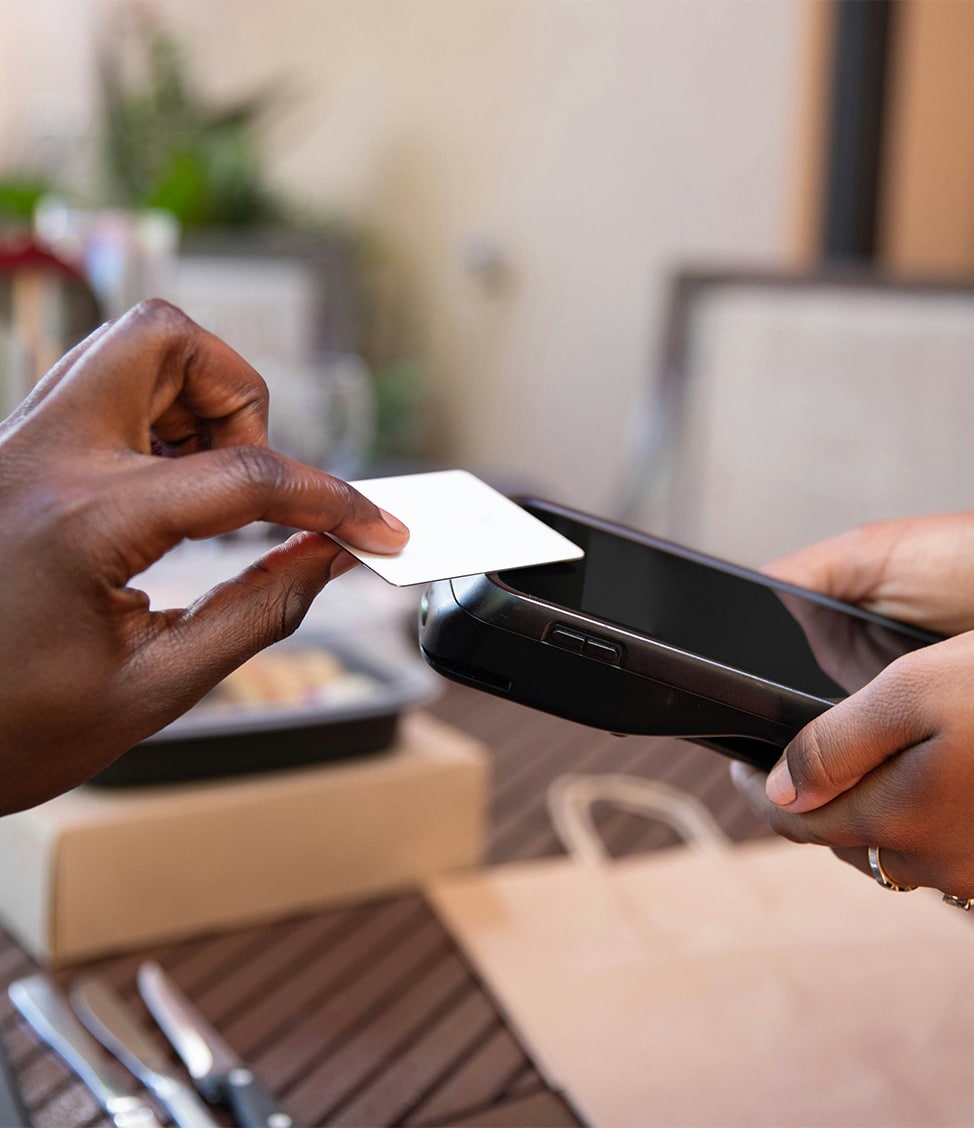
<point x="289" y="676"/>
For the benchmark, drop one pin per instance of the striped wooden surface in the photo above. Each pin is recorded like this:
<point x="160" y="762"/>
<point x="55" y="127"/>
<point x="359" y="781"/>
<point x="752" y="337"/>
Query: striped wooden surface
<point x="369" y="1015"/>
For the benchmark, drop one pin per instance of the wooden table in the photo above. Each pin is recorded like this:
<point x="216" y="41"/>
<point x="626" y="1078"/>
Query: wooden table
<point x="369" y="1015"/>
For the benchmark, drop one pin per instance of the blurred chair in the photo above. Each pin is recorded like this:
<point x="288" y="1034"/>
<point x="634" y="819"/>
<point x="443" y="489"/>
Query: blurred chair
<point x="790" y="407"/>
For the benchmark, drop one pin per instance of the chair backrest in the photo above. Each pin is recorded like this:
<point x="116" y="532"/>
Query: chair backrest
<point x="789" y="408"/>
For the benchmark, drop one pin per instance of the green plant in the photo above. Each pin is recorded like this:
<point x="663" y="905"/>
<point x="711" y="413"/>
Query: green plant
<point x="165" y="146"/>
<point x="401" y="390"/>
<point x="19" y="193"/>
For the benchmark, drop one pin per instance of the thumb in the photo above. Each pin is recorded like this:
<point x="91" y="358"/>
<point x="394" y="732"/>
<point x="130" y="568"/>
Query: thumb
<point x="837" y="749"/>
<point x="261" y="605"/>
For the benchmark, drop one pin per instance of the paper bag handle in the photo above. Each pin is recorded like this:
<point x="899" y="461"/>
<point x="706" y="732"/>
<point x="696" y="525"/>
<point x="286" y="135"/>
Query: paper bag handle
<point x="570" y="800"/>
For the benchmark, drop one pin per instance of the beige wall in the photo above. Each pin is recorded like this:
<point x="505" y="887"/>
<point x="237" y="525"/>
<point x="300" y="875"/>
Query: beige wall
<point x="46" y="76"/>
<point x="594" y="143"/>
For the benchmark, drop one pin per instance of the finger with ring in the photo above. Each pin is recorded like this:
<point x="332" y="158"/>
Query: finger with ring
<point x="882" y="876"/>
<point x="965" y="903"/>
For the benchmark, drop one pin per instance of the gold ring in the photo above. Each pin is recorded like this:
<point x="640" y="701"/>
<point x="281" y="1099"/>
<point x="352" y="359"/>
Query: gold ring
<point x="882" y="877"/>
<point x="965" y="903"/>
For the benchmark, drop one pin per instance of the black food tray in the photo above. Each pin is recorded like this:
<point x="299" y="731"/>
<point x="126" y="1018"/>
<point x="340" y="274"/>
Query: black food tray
<point x="210" y="743"/>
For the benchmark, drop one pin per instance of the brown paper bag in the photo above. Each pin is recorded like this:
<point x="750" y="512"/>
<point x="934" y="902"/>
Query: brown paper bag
<point x="764" y="984"/>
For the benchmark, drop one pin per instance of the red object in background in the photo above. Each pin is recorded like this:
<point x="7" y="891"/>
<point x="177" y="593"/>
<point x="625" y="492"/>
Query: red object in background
<point x="46" y="307"/>
<point x="23" y="253"/>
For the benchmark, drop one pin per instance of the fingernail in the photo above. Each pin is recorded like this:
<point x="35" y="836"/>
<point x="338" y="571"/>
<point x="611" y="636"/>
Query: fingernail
<point x="780" y="787"/>
<point x="393" y="522"/>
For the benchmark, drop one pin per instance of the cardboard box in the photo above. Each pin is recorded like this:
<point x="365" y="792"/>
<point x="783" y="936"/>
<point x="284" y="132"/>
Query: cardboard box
<point x="95" y="870"/>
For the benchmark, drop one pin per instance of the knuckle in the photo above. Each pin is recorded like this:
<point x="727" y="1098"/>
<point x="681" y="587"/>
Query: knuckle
<point x="258" y="469"/>
<point x="156" y="315"/>
<point x="902" y="682"/>
<point x="810" y="758"/>
<point x="158" y="311"/>
<point x="346" y="500"/>
<point x="168" y="330"/>
<point x="278" y="609"/>
<point x="292" y="606"/>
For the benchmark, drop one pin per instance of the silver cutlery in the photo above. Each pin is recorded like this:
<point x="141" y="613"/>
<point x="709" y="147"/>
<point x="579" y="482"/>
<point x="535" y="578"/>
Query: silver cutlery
<point x="47" y="1012"/>
<point x="111" y="1022"/>
<point x="217" y="1070"/>
<point x="13" y="1110"/>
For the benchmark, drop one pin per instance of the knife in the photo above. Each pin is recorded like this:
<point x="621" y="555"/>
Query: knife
<point x="47" y="1012"/>
<point x="219" y="1073"/>
<point x="12" y="1107"/>
<point x="107" y="1017"/>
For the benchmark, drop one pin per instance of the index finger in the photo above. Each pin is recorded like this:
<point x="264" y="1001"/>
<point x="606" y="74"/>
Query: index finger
<point x="151" y="507"/>
<point x="150" y="359"/>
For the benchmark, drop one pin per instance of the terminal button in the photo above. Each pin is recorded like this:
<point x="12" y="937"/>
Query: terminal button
<point x="567" y="640"/>
<point x="601" y="650"/>
<point x="589" y="646"/>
